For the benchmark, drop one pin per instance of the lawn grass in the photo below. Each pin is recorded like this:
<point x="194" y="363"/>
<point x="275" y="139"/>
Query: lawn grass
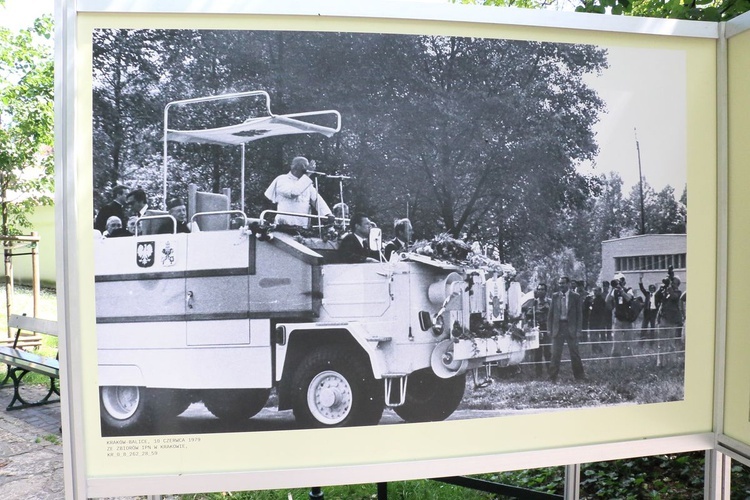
<point x="23" y="303"/>
<point x="631" y="380"/>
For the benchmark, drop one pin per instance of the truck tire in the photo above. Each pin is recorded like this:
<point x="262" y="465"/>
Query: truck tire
<point x="235" y="404"/>
<point x="169" y="403"/>
<point x="334" y="387"/>
<point x="124" y="408"/>
<point x="430" y="398"/>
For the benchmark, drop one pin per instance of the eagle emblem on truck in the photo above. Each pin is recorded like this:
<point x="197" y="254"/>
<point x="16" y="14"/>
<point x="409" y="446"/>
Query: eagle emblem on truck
<point x="145" y="254"/>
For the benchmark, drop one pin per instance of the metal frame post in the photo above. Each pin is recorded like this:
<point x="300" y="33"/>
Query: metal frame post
<point x="572" y="481"/>
<point x="718" y="475"/>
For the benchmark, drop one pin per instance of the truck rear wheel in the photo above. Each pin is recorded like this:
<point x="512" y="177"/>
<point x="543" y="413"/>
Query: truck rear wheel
<point x="333" y="387"/>
<point x="235" y="404"/>
<point x="123" y="407"/>
<point x="430" y="398"/>
<point x="169" y="403"/>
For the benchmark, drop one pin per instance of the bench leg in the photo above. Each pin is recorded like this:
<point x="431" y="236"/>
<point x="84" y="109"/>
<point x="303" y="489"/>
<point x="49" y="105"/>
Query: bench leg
<point x="17" y="374"/>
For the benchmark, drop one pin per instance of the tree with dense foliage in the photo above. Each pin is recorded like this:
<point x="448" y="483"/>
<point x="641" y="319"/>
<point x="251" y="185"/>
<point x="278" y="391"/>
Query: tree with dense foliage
<point x="460" y="132"/>
<point x="697" y="10"/>
<point x="26" y="123"/>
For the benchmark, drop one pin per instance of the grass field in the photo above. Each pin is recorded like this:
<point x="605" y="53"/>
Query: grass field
<point x="608" y="382"/>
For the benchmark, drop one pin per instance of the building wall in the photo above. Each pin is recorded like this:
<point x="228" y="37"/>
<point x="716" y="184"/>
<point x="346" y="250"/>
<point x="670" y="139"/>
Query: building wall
<point x="648" y="248"/>
<point x="43" y="222"/>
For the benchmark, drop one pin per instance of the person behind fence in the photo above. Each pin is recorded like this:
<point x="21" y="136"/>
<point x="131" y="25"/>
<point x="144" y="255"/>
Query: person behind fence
<point x="600" y="318"/>
<point x="580" y="289"/>
<point x="564" y="320"/>
<point x="115" y="207"/>
<point x="536" y="315"/>
<point x="403" y="231"/>
<point x="624" y="313"/>
<point x="294" y="192"/>
<point x="650" y="308"/>
<point x="670" y="315"/>
<point x="354" y="247"/>
<point x="608" y="323"/>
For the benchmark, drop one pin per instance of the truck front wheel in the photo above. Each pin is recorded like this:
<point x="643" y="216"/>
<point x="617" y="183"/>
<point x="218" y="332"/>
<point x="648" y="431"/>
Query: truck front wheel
<point x="430" y="398"/>
<point x="333" y="387"/>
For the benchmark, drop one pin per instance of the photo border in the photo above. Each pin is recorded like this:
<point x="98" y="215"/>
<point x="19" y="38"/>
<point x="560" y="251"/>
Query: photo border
<point x="368" y="454"/>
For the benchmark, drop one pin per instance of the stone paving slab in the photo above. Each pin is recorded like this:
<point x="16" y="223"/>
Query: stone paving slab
<point x="31" y="452"/>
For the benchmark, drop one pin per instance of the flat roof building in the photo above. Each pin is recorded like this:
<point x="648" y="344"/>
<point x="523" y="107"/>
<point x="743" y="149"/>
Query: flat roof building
<point x="647" y="255"/>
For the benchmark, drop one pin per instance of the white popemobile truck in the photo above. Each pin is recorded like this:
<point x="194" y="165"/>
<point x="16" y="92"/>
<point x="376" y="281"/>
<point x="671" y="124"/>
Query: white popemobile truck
<point x="228" y="313"/>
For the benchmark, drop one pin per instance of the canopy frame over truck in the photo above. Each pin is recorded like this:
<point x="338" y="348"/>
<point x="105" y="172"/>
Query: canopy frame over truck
<point x="239" y="134"/>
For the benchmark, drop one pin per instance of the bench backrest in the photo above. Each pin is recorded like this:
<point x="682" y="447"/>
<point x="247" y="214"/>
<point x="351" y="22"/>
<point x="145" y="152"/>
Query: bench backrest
<point x="31" y="324"/>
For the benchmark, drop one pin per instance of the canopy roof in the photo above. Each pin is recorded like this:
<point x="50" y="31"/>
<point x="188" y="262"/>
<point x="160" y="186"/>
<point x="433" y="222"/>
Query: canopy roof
<point x="251" y="129"/>
<point x="256" y="128"/>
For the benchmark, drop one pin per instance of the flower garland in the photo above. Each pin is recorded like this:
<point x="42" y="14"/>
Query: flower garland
<point x="454" y="251"/>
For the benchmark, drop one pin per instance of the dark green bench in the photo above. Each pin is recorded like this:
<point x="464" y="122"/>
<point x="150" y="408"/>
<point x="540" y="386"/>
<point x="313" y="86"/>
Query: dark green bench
<point x="20" y="361"/>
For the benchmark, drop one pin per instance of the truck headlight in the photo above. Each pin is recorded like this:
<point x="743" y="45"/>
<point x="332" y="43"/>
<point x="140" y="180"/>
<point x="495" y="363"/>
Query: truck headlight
<point x="438" y="327"/>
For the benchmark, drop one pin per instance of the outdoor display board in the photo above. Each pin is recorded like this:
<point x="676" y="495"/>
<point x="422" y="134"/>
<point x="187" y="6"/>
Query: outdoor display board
<point x="570" y="102"/>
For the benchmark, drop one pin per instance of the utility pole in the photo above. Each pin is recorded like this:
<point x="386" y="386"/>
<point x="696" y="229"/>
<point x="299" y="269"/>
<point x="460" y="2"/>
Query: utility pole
<point x="640" y="182"/>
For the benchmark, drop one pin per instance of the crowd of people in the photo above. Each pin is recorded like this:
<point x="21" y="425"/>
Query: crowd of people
<point x="611" y="315"/>
<point x="122" y="216"/>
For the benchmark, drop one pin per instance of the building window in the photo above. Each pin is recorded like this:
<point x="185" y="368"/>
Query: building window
<point x="651" y="262"/>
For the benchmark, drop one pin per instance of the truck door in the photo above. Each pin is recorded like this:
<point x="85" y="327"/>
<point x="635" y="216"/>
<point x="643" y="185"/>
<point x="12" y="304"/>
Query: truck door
<point x="218" y="320"/>
<point x="140" y="309"/>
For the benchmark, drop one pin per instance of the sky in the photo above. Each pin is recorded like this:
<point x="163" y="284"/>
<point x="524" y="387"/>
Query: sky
<point x="649" y="102"/>
<point x="646" y="95"/>
<point x="19" y="14"/>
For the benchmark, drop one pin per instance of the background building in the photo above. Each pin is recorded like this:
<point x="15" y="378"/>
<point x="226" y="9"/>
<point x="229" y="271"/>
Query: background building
<point x="647" y="255"/>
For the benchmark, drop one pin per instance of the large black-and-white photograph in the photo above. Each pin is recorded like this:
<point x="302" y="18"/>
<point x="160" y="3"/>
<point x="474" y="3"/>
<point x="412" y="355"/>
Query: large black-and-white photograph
<point x="313" y="230"/>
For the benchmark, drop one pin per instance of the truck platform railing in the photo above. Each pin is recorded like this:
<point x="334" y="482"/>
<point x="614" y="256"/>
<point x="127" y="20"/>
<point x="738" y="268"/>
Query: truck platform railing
<point x="320" y="225"/>
<point x="238" y="213"/>
<point x="154" y="218"/>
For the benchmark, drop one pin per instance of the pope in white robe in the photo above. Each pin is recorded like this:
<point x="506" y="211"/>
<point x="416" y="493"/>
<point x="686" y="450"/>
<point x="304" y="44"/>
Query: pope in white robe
<point x="294" y="192"/>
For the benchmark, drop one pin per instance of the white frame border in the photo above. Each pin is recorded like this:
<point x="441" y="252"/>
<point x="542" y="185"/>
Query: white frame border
<point x="390" y="9"/>
<point x="77" y="484"/>
<point x="404" y="471"/>
<point x="730" y="446"/>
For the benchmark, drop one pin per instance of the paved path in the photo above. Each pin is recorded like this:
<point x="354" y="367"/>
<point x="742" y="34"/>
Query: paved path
<point x="31" y="461"/>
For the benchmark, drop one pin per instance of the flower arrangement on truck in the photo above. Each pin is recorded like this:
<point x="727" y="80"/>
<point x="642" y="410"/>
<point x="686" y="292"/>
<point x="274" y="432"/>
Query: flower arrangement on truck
<point x="263" y="310"/>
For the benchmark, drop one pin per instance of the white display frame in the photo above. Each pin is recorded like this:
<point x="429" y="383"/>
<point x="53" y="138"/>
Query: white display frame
<point x="73" y="228"/>
<point x="732" y="416"/>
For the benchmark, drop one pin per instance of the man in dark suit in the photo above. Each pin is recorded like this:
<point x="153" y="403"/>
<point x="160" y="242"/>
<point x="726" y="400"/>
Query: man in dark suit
<point x="355" y="247"/>
<point x="403" y="231"/>
<point x="177" y="209"/>
<point x="650" y="308"/>
<point x="115" y="207"/>
<point x="565" y="321"/>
